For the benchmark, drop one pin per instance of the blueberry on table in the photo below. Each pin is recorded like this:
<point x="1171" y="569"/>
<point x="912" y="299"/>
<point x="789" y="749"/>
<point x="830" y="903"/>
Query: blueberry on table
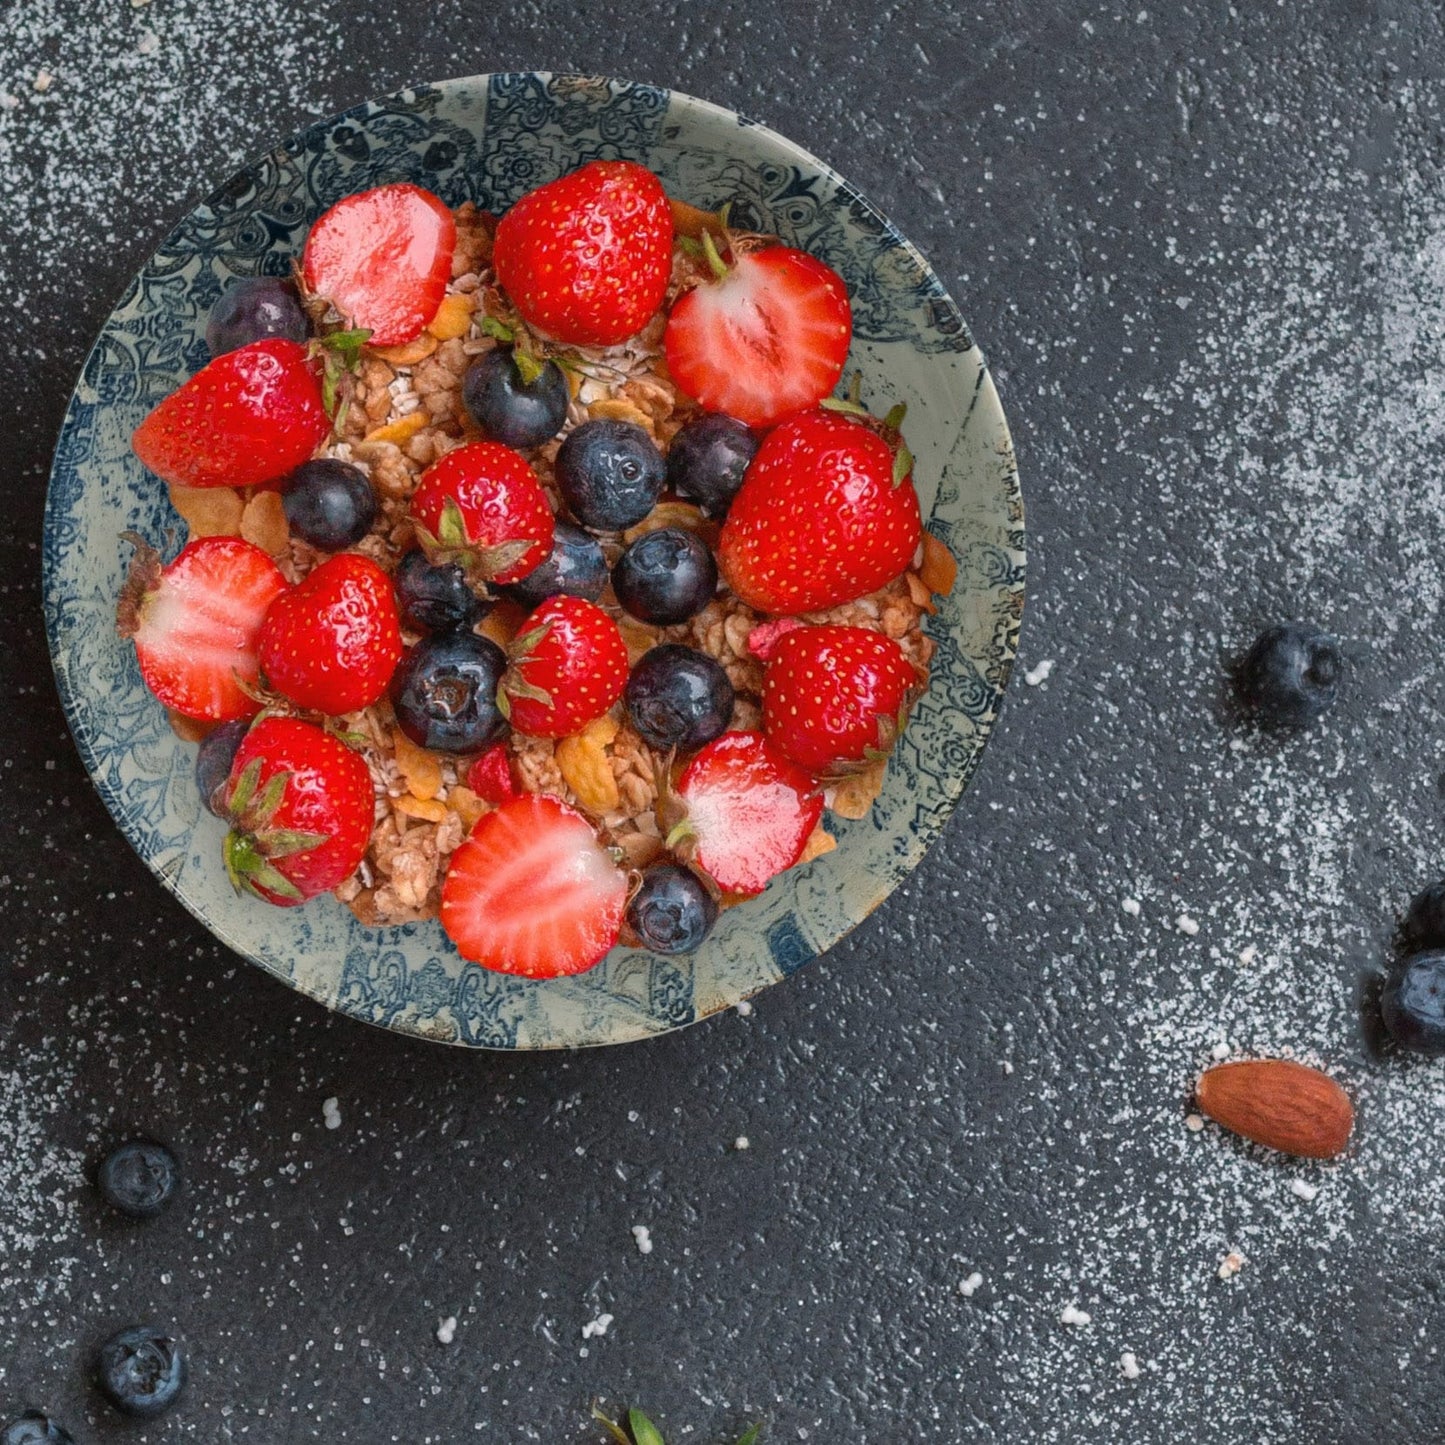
<point x="671" y="912"/>
<point x="708" y="459"/>
<point x="139" y="1178"/>
<point x="678" y="697"/>
<point x="1413" y="1003"/>
<point x="213" y="761"/>
<point x="435" y="598"/>
<point x="665" y="576"/>
<point x="252" y="310"/>
<point x="1288" y="678"/>
<point x="329" y="504"/>
<point x="507" y="406"/>
<point x="445" y="693"/>
<point x="610" y="474"/>
<point x="141" y="1371"/>
<point x="574" y="567"/>
<point x="1424" y="925"/>
<point x="33" y="1428"/>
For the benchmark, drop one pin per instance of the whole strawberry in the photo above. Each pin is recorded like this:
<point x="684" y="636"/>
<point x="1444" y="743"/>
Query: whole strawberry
<point x="196" y="623"/>
<point x="332" y="642"/>
<point x="741" y="812"/>
<point x="586" y="258"/>
<point x="300" y="803"/>
<point x="764" y="336"/>
<point x="568" y="666"/>
<point x="826" y="514"/>
<point x="835" y="698"/>
<point x="483" y="507"/>
<point x="250" y="417"/>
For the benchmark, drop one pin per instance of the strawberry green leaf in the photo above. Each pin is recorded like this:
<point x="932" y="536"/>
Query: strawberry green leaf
<point x="453" y="529"/>
<point x="497" y="330"/>
<point x="613" y="1427"/>
<point x="264" y="808"/>
<point x="902" y="465"/>
<point x="283" y="842"/>
<point x="644" y="1432"/>
<point x="265" y="875"/>
<point x="895" y="416"/>
<point x="246" y="786"/>
<point x="715" y="262"/>
<point x="846" y="405"/>
<point x="529" y="368"/>
<point x="751" y="1435"/>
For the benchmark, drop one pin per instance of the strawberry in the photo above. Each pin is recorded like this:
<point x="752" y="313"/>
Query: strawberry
<point x="383" y="258"/>
<point x="490" y="776"/>
<point x="586" y="258"/>
<point x="826" y="514"/>
<point x="332" y="642"/>
<point x="196" y="623"/>
<point x="836" y="697"/>
<point x="301" y="805"/>
<point x="764" y="337"/>
<point x="482" y="505"/>
<point x="746" y="812"/>
<point x="568" y="666"/>
<point x="248" y="418"/>
<point x="763" y="640"/>
<point x="532" y="891"/>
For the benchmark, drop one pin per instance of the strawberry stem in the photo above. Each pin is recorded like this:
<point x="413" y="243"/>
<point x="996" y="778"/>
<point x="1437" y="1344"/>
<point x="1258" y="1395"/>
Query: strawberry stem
<point x="143" y="575"/>
<point x="715" y="262"/>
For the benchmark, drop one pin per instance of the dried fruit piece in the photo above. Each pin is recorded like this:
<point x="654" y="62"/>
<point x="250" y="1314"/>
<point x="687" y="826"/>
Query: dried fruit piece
<point x="939" y="568"/>
<point x="1280" y="1104"/>
<point x="820" y="841"/>
<point x="403" y="429"/>
<point x="427" y="809"/>
<point x="617" y="408"/>
<point x="263" y="524"/>
<point x="855" y="795"/>
<point x="588" y="773"/>
<point x="421" y="769"/>
<point x="466" y="805"/>
<point x="409" y="353"/>
<point x="675" y="514"/>
<point x="453" y="318"/>
<point x="602" y="731"/>
<point x="208" y="511"/>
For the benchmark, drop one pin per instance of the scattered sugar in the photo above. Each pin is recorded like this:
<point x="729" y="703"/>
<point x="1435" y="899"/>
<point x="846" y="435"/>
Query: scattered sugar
<point x="742" y="1142"/>
<point x="331" y="1113"/>
<point x="1129" y="1365"/>
<point x="1303" y="1189"/>
<point x="1194" y="1123"/>
<point x="743" y="1007"/>
<point x="447" y="1330"/>
<point x="597" y="1327"/>
<point x="1231" y="1264"/>
<point x="971" y="1285"/>
<point x="1185" y="924"/>
<point x="643" y="1236"/>
<point x="1039" y="673"/>
<point x="1132" y="907"/>
<point x="1072" y="1315"/>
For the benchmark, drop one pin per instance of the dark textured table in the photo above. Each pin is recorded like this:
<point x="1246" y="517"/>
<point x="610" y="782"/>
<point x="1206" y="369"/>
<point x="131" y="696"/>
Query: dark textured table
<point x="1204" y="248"/>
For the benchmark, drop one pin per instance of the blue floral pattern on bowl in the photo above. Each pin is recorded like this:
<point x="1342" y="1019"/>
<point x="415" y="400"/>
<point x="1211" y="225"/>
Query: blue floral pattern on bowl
<point x="488" y="139"/>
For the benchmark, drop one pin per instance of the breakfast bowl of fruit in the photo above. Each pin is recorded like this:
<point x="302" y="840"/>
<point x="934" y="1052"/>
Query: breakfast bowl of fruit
<point x="533" y="561"/>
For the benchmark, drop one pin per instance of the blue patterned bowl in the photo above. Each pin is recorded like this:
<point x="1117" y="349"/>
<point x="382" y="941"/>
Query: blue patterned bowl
<point x="488" y="139"/>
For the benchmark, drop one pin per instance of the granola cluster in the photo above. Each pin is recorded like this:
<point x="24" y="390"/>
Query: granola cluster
<point x="404" y="411"/>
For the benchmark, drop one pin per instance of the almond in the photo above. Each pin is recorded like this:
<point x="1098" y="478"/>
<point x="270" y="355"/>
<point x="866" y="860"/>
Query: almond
<point x="1280" y="1104"/>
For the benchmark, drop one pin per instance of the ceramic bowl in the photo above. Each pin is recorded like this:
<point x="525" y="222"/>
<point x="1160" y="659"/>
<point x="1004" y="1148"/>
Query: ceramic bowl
<point x="488" y="139"/>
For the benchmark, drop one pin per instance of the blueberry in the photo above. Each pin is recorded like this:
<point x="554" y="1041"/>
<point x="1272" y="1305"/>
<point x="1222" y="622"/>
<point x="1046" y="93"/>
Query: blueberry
<point x="671" y="912"/>
<point x="139" y="1178"/>
<point x="214" y="758"/>
<point x="1424" y="925"/>
<point x="33" y="1428"/>
<point x="510" y="410"/>
<point x="609" y="474"/>
<point x="329" y="504"/>
<point x="575" y="566"/>
<point x="1413" y="1003"/>
<point x="142" y="1371"/>
<point x="1289" y="676"/>
<point x="445" y="693"/>
<point x="252" y="310"/>
<point x="665" y="576"/>
<point x="435" y="599"/>
<point x="707" y="460"/>
<point x="678" y="697"/>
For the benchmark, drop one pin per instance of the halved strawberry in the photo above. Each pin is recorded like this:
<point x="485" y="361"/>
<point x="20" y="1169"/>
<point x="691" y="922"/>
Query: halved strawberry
<point x="196" y="623"/>
<point x="532" y="891"/>
<point x="827" y="513"/>
<point x="301" y="807"/>
<point x="586" y="258"/>
<point x="568" y="666"/>
<point x="332" y="642"/>
<point x="836" y="697"/>
<point x="746" y="812"/>
<point x="766" y="336"/>
<point x="482" y="505"/>
<point x="248" y="418"/>
<point x="383" y="258"/>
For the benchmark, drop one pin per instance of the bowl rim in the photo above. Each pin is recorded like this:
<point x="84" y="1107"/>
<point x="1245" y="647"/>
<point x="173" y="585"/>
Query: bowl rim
<point x="920" y="839"/>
